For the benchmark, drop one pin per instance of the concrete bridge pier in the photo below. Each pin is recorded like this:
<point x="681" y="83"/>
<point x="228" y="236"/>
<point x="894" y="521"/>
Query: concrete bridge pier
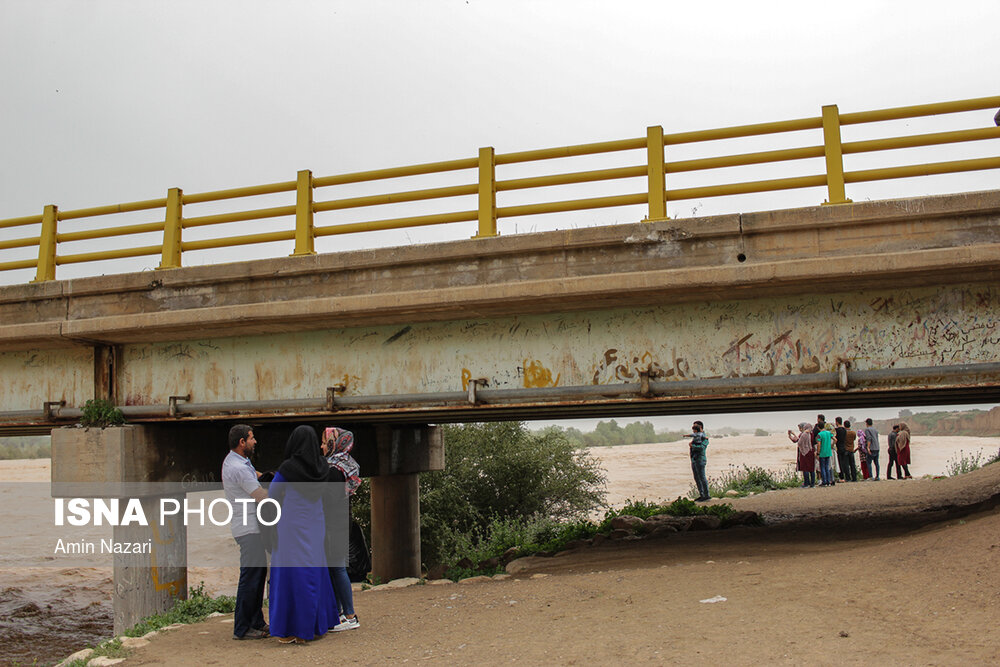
<point x="403" y="453"/>
<point x="148" y="582"/>
<point x="395" y="526"/>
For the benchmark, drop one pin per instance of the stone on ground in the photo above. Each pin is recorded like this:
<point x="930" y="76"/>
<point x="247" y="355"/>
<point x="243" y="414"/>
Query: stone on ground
<point x="133" y="642"/>
<point x="82" y="654"/>
<point x="397" y="583"/>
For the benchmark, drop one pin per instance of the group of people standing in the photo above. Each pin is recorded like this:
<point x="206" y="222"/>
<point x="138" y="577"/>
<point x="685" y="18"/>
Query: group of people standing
<point x="830" y="449"/>
<point x="312" y="486"/>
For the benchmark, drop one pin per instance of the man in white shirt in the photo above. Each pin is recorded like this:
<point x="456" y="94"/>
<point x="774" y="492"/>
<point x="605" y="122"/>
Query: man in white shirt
<point x="243" y="491"/>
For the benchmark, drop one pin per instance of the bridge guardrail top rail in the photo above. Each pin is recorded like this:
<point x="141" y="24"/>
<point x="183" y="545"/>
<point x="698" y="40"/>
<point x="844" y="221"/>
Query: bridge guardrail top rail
<point x="47" y="237"/>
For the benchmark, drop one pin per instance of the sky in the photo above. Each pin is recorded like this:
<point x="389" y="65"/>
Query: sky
<point x="114" y="101"/>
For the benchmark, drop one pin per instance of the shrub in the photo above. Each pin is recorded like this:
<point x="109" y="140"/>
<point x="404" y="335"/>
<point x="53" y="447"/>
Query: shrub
<point x="749" y="479"/>
<point x="530" y="535"/>
<point x="760" y="432"/>
<point x="963" y="463"/>
<point x="100" y="413"/>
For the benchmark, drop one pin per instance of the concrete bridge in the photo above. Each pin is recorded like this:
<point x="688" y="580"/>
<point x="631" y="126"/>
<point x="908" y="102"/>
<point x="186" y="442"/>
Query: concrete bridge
<point x="884" y="302"/>
<point x="858" y="304"/>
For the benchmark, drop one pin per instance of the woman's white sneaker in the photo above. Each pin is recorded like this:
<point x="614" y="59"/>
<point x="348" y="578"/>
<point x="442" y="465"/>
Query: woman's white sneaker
<point x="347" y="624"/>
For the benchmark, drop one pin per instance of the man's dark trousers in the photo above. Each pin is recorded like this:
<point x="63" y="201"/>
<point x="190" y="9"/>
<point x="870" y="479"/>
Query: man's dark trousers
<point x="250" y="590"/>
<point x="848" y="466"/>
<point x="892" y="462"/>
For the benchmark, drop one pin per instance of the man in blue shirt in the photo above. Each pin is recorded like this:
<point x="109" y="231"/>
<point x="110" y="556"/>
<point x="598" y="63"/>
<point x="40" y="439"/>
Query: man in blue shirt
<point x="243" y="491"/>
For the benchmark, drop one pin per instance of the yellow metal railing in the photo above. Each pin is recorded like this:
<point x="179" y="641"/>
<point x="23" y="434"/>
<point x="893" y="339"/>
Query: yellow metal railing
<point x="655" y="196"/>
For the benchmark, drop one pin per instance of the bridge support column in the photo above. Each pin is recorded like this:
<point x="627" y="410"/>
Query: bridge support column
<point x="395" y="526"/>
<point x="403" y="453"/>
<point x="149" y="581"/>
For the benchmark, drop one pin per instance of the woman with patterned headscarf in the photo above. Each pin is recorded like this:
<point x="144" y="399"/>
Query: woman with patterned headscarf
<point x="903" y="451"/>
<point x="805" y="454"/>
<point x="863" y="452"/>
<point x="337" y="446"/>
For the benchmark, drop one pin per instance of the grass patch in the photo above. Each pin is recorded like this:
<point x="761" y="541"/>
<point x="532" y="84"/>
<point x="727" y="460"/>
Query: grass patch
<point x="680" y="507"/>
<point x="196" y="608"/>
<point x="111" y="648"/>
<point x="745" y="480"/>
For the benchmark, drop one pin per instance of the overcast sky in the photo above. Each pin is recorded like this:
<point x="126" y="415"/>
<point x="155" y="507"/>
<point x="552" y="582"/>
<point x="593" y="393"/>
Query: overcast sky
<point x="105" y="102"/>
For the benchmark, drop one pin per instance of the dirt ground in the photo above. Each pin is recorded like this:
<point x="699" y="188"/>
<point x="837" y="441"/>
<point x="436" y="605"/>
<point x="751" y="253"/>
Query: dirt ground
<point x="865" y="573"/>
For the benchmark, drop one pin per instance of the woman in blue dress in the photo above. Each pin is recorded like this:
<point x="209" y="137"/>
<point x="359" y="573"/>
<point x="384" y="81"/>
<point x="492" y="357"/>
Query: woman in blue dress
<point x="302" y="604"/>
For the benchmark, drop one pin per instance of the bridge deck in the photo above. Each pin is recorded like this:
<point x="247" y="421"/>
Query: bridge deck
<point x="556" y="320"/>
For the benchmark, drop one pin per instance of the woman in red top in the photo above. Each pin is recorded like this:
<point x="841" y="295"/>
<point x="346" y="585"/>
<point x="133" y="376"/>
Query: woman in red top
<point x="903" y="451"/>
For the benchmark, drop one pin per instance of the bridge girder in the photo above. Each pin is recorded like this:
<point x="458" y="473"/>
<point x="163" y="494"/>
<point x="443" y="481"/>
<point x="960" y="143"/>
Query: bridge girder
<point x="870" y="303"/>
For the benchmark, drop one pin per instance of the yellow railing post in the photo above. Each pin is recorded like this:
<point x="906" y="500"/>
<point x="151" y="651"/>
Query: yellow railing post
<point x="655" y="172"/>
<point x="487" y="193"/>
<point x="172" y="226"/>
<point x="834" y="156"/>
<point x="47" y="245"/>
<point x="304" y="214"/>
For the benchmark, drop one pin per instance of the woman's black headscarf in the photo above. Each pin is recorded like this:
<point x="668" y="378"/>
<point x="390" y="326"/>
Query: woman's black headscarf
<point x="304" y="462"/>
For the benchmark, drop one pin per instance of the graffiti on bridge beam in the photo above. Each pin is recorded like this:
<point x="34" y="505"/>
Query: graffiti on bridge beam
<point x="616" y="366"/>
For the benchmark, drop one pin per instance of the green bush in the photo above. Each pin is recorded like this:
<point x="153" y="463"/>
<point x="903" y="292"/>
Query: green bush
<point x="749" y="479"/>
<point x="963" y="463"/>
<point x="760" y="432"/>
<point x="100" y="413"/>
<point x="529" y="535"/>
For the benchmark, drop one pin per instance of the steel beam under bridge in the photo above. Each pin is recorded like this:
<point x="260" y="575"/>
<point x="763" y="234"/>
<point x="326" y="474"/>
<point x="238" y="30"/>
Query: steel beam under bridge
<point x="872" y="303"/>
